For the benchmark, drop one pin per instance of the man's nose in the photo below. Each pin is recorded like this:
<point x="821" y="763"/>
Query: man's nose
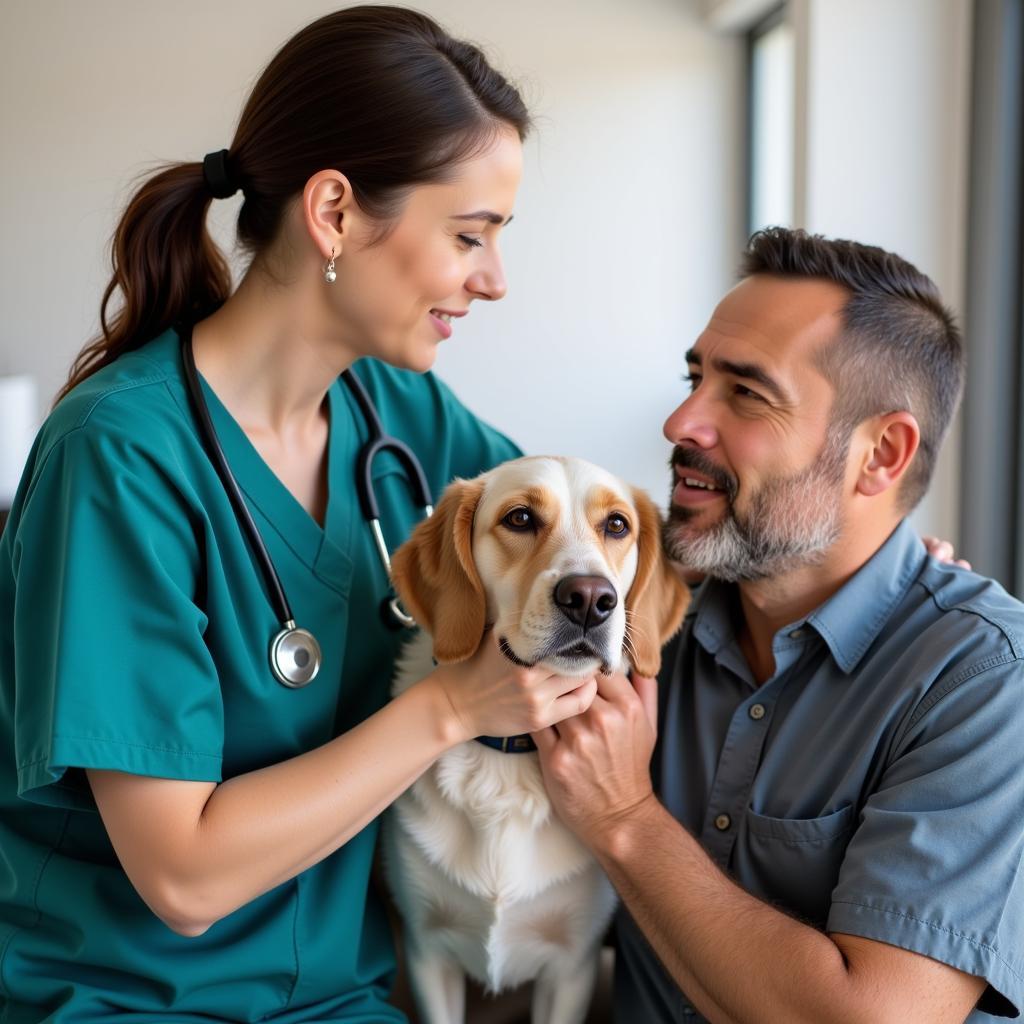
<point x="691" y="423"/>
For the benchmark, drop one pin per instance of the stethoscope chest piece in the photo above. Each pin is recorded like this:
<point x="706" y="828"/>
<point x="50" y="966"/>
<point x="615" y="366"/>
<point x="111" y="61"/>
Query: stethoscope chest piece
<point x="294" y="656"/>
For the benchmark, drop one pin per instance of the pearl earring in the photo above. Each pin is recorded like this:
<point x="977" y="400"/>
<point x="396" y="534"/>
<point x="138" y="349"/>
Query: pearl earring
<point x="329" y="275"/>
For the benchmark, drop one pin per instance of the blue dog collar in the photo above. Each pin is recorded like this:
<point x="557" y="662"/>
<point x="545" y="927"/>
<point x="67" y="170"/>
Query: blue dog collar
<point x="509" y="744"/>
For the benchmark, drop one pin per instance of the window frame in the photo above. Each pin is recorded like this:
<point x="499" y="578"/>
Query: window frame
<point x="778" y="15"/>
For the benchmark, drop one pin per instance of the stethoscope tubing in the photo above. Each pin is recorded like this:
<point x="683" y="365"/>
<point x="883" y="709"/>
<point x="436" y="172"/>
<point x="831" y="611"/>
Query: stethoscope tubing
<point x="282" y="609"/>
<point x="378" y="442"/>
<point x="291" y="640"/>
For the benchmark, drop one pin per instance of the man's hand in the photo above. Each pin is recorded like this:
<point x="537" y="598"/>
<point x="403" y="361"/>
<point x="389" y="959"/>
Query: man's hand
<point x="597" y="765"/>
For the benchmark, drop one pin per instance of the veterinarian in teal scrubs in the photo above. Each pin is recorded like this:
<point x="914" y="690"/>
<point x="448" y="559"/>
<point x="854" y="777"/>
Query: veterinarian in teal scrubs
<point x="182" y="837"/>
<point x="127" y="666"/>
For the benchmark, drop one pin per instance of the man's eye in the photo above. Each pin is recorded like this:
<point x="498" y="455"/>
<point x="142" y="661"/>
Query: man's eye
<point x="616" y="525"/>
<point x="519" y="519"/>
<point x="693" y="379"/>
<point x="747" y="393"/>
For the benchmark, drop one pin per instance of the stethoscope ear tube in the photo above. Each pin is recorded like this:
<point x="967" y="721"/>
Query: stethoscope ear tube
<point x="378" y="442"/>
<point x="392" y="612"/>
<point x="394" y="616"/>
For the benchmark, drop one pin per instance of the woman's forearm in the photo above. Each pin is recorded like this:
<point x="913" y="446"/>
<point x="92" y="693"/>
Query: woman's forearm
<point x="197" y="851"/>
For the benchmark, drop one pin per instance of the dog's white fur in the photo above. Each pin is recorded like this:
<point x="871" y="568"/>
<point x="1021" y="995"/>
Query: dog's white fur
<point x="488" y="881"/>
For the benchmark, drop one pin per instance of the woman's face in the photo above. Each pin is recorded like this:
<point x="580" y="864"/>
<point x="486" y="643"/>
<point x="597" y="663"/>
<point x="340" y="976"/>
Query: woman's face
<point x="398" y="299"/>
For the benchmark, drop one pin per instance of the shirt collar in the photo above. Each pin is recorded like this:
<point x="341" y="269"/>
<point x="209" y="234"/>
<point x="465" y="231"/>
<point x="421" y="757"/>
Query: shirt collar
<point x="849" y="621"/>
<point x="712" y="612"/>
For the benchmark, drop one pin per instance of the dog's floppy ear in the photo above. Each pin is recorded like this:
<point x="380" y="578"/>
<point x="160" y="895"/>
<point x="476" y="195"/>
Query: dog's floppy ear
<point x="436" y="578"/>
<point x="657" y="600"/>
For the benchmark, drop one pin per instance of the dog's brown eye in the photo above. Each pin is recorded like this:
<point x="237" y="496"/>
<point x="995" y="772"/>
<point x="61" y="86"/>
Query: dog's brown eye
<point x="616" y="525"/>
<point x="519" y="519"/>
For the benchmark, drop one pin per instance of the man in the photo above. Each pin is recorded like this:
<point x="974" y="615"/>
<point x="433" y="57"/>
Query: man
<point x="836" y="824"/>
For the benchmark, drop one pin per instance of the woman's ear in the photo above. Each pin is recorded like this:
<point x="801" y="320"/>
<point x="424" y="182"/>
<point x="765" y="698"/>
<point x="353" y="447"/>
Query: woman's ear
<point x="657" y="600"/>
<point x="435" y="576"/>
<point x="329" y="210"/>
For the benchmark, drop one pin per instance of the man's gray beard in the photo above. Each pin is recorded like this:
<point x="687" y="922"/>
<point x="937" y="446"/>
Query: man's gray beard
<point x="792" y="522"/>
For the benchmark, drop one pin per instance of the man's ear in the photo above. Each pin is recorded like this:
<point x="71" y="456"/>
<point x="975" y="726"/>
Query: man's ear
<point x="890" y="444"/>
<point x="657" y="600"/>
<point x="435" y="576"/>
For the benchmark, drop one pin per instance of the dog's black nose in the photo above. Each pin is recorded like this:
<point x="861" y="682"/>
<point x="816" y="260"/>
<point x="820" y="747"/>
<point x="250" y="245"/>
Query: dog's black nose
<point x="585" y="600"/>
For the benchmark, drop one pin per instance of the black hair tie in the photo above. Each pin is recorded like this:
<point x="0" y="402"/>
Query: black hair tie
<point x="216" y="175"/>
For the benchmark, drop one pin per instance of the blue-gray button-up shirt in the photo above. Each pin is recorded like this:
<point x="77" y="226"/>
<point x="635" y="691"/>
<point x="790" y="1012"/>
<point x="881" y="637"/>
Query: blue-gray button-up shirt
<point x="874" y="785"/>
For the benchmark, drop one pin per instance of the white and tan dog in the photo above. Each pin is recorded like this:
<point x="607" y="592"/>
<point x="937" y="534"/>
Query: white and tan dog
<point x="565" y="562"/>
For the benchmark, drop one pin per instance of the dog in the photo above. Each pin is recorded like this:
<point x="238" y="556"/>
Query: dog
<point x="564" y="562"/>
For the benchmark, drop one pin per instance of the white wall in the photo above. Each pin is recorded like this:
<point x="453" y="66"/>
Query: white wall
<point x="626" y="230"/>
<point x="884" y="113"/>
<point x="630" y="217"/>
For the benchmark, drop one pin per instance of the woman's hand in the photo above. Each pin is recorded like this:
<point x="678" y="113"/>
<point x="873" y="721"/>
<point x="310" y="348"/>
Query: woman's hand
<point x="492" y="696"/>
<point x="943" y="551"/>
<point x="197" y="851"/>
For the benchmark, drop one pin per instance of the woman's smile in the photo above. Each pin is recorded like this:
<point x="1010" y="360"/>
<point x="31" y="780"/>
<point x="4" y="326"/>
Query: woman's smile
<point x="442" y="320"/>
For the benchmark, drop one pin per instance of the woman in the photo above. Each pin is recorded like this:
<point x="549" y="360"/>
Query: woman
<point x="225" y="875"/>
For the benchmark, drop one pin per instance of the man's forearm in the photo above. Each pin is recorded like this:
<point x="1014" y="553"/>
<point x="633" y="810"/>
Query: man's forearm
<point x="739" y="960"/>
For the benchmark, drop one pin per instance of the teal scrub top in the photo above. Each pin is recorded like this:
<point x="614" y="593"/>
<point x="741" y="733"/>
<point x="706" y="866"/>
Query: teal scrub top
<point x="133" y="636"/>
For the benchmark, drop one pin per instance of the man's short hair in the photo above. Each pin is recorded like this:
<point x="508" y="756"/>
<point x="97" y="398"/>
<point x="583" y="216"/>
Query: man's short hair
<point x="899" y="350"/>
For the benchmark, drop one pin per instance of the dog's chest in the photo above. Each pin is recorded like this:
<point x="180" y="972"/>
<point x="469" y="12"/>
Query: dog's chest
<point x="482" y="818"/>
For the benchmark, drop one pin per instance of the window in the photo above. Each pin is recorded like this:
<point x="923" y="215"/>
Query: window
<point x="992" y="502"/>
<point x="772" y="115"/>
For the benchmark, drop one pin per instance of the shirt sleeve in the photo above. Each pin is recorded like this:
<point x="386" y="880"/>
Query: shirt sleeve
<point x="935" y="863"/>
<point x="111" y="669"/>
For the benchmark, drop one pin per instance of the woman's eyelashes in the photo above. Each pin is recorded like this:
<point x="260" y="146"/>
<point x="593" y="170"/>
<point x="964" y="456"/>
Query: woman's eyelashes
<point x="469" y="242"/>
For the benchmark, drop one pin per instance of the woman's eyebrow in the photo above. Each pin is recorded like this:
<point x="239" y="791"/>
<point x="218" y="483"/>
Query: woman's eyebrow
<point x="488" y="215"/>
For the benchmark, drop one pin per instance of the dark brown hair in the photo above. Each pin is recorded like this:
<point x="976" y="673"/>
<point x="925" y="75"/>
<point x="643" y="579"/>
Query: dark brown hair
<point x="384" y="94"/>
<point x="900" y="349"/>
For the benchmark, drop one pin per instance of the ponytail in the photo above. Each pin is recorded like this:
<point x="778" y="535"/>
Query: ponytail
<point x="166" y="266"/>
<point x="382" y="93"/>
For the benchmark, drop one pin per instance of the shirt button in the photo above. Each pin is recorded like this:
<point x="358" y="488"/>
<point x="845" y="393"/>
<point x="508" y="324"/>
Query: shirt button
<point x="689" y="1011"/>
<point x="722" y="822"/>
<point x="756" y="712"/>
<point x="796" y="634"/>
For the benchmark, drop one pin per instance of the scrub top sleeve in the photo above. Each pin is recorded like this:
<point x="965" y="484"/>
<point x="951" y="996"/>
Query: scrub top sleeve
<point x="935" y="865"/>
<point x="475" y="446"/>
<point x="111" y="669"/>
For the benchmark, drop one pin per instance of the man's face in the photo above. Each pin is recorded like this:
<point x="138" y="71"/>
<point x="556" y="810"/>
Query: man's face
<point x="758" y="474"/>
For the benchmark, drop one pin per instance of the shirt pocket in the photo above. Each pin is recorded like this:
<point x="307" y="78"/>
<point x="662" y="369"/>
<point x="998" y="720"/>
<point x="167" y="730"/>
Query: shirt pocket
<point x="794" y="862"/>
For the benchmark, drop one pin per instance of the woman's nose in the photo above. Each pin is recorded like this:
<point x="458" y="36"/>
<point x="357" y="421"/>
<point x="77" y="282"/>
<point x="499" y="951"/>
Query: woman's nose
<point x="691" y="423"/>
<point x="488" y="280"/>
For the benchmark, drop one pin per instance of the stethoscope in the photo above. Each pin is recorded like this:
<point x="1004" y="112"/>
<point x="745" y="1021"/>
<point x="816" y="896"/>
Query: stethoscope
<point x="295" y="654"/>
